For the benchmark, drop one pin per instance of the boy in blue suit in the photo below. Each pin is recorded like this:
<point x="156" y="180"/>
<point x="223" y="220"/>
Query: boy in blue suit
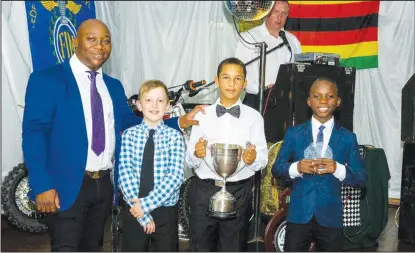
<point x="315" y="210"/>
<point x="74" y="114"/>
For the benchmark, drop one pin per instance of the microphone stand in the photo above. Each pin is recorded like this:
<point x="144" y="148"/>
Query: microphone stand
<point x="257" y="180"/>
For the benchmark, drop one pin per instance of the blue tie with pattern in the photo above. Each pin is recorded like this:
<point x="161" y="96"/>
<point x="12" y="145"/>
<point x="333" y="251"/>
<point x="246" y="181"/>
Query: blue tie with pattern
<point x="320" y="136"/>
<point x="97" y="112"/>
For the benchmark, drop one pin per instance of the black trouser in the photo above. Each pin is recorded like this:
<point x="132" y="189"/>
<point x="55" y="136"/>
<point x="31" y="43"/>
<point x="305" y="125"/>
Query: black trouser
<point x="251" y="100"/>
<point x="81" y="227"/>
<point x="165" y="238"/>
<point x="298" y="237"/>
<point x="208" y="234"/>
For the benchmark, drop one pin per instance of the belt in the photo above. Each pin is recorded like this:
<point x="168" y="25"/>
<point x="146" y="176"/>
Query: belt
<point x="219" y="183"/>
<point x="97" y="174"/>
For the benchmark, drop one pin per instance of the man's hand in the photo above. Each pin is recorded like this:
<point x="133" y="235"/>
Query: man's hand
<point x="307" y="166"/>
<point x="249" y="155"/>
<point x="48" y="201"/>
<point x="186" y="120"/>
<point x="200" y="148"/>
<point x="325" y="165"/>
<point x="136" y="209"/>
<point x="150" y="228"/>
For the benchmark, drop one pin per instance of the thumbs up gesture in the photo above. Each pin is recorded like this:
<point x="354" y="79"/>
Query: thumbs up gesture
<point x="249" y="155"/>
<point x="200" y="148"/>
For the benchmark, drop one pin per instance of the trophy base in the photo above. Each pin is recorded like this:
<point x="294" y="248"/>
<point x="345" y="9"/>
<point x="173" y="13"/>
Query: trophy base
<point x="222" y="216"/>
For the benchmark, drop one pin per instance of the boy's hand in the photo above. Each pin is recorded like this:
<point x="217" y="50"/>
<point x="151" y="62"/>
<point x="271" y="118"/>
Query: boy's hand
<point x="136" y="210"/>
<point x="249" y="155"/>
<point x="325" y="165"/>
<point x="150" y="228"/>
<point x="307" y="166"/>
<point x="200" y="148"/>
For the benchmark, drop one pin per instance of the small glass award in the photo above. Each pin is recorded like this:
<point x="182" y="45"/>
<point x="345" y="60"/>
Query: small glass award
<point x="315" y="151"/>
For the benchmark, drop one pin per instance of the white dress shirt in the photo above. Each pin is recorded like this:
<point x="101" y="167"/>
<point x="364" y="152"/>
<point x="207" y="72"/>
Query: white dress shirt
<point x="230" y="130"/>
<point x="104" y="160"/>
<point x="340" y="172"/>
<point x="246" y="52"/>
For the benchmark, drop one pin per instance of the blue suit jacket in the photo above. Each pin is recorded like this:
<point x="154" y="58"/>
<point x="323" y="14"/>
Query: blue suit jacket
<point x="319" y="194"/>
<point x="54" y="134"/>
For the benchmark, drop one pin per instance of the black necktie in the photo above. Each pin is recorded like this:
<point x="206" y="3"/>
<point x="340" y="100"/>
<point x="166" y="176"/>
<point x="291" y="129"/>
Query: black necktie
<point x="147" y="169"/>
<point x="234" y="111"/>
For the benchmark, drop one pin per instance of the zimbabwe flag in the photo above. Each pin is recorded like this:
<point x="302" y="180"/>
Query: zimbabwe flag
<point x="347" y="28"/>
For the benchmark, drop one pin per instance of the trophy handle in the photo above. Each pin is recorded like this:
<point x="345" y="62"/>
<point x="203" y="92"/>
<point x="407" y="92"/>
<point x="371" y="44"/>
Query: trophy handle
<point x="204" y="159"/>
<point x="248" y="145"/>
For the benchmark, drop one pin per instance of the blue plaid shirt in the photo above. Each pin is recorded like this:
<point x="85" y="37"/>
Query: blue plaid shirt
<point x="168" y="167"/>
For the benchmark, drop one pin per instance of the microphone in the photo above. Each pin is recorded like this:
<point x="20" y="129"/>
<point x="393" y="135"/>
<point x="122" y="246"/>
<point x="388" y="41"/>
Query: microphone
<point x="190" y="85"/>
<point x="284" y="39"/>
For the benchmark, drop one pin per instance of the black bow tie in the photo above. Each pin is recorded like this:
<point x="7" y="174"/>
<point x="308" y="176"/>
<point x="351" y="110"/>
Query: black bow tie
<point x="234" y="111"/>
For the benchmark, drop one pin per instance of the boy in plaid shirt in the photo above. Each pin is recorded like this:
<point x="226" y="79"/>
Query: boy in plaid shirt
<point x="151" y="172"/>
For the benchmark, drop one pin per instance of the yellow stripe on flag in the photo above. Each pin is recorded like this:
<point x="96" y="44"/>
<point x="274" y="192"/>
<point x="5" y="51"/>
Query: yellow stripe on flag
<point x="346" y="51"/>
<point x="323" y="2"/>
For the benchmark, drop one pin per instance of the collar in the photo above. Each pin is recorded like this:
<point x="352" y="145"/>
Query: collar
<point x="315" y="124"/>
<point x="146" y="128"/>
<point x="236" y="103"/>
<point x="78" y="67"/>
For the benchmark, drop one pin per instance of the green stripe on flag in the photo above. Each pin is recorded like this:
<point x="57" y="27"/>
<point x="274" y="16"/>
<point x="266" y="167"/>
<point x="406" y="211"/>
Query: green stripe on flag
<point x="363" y="62"/>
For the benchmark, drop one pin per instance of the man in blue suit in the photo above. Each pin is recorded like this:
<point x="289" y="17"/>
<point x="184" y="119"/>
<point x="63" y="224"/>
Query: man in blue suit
<point x="73" y="118"/>
<point x="315" y="210"/>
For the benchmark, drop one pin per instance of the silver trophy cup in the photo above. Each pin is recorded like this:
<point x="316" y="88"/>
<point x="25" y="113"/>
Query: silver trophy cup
<point x="225" y="160"/>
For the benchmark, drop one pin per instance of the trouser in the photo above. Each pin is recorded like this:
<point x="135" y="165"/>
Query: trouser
<point x="81" y="227"/>
<point x="209" y="234"/>
<point x="298" y="237"/>
<point x="165" y="237"/>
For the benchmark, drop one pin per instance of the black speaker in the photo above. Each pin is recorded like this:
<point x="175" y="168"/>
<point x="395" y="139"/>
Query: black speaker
<point x="406" y="231"/>
<point x="408" y="111"/>
<point x="286" y="103"/>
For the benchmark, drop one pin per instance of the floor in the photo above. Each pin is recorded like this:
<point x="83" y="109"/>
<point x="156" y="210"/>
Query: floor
<point x="14" y="240"/>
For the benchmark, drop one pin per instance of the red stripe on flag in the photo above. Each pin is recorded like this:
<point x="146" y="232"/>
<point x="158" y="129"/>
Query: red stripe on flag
<point x="334" y="10"/>
<point x="337" y="38"/>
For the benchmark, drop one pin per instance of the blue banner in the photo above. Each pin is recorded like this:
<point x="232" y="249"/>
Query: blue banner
<point x="52" y="27"/>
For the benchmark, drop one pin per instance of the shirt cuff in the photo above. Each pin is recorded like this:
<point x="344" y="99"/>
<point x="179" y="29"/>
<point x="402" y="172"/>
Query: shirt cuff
<point x="340" y="172"/>
<point x="145" y="220"/>
<point x="146" y="207"/>
<point x="293" y="171"/>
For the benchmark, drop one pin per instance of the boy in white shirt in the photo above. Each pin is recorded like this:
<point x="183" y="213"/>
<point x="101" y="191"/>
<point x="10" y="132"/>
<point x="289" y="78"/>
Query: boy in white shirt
<point x="225" y="121"/>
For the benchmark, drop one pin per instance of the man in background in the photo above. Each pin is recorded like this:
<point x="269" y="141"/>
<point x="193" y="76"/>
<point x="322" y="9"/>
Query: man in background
<point x="268" y="32"/>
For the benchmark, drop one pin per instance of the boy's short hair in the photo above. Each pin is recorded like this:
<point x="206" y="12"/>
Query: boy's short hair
<point x="152" y="84"/>
<point x="233" y="61"/>
<point x="327" y="79"/>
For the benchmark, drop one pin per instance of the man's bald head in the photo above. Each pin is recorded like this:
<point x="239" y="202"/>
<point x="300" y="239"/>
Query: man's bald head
<point x="87" y="24"/>
<point x="93" y="43"/>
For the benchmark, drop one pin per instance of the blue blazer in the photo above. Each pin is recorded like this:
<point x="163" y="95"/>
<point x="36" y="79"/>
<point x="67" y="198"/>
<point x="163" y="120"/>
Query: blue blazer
<point x="54" y="137"/>
<point x="319" y="195"/>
